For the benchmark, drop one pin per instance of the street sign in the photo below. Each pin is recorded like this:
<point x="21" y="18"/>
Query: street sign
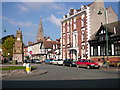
<point x="30" y="52"/>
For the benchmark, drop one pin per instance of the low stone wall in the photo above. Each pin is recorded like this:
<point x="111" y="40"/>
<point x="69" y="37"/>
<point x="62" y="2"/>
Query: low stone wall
<point x="11" y="72"/>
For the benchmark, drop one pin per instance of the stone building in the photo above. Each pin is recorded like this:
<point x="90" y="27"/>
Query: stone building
<point x="78" y="26"/>
<point x="18" y="53"/>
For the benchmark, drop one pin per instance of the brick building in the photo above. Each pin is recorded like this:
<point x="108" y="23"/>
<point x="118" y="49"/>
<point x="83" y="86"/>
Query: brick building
<point x="78" y="26"/>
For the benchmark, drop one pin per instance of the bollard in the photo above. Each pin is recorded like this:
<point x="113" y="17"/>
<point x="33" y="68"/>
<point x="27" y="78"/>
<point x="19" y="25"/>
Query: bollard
<point x="28" y="68"/>
<point x="24" y="64"/>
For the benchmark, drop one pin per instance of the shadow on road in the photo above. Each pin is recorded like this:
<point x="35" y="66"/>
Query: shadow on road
<point x="97" y="83"/>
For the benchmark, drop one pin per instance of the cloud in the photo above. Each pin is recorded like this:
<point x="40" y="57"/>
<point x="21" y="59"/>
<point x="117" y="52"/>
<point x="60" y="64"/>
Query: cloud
<point x="53" y="19"/>
<point x="22" y="8"/>
<point x="40" y="6"/>
<point x="19" y="23"/>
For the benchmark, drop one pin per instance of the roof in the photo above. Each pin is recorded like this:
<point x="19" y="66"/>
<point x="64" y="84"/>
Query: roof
<point x="49" y="44"/>
<point x="110" y="29"/>
<point x="90" y="4"/>
<point x="113" y="25"/>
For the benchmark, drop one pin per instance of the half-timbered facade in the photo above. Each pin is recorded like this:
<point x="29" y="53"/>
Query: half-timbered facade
<point x="98" y="42"/>
<point x="43" y="50"/>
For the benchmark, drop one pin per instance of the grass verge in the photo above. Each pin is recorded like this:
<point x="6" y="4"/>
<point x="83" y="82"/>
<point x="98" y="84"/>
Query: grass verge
<point x="15" y="67"/>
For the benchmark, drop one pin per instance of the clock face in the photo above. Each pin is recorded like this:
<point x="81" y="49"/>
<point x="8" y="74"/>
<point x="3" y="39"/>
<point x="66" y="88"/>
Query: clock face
<point x="18" y="39"/>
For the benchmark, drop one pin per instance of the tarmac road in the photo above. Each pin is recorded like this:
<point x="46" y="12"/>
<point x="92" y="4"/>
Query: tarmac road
<point x="66" y="77"/>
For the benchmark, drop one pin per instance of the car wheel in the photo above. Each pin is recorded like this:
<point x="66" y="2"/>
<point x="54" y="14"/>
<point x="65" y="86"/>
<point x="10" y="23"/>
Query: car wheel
<point x="98" y="68"/>
<point x="88" y="67"/>
<point x="77" y="66"/>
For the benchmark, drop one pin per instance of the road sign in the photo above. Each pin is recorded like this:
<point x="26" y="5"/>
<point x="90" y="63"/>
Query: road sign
<point x="30" y="52"/>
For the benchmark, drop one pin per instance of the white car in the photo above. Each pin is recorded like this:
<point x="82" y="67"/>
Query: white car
<point x="58" y="62"/>
<point x="54" y="62"/>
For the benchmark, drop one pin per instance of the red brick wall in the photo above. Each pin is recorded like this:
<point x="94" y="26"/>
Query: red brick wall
<point x="79" y="33"/>
<point x="111" y="58"/>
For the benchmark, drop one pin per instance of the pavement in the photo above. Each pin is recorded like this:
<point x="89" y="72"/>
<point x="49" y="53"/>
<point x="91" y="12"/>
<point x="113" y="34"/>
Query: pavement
<point x="110" y="68"/>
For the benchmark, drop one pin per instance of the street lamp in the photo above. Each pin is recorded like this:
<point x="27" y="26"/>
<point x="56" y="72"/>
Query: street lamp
<point x="4" y="29"/>
<point x="106" y="22"/>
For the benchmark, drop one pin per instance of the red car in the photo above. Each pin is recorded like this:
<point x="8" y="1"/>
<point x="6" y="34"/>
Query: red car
<point x="87" y="63"/>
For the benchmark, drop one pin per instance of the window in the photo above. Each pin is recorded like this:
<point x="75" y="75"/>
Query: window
<point x="83" y="35"/>
<point x="63" y="30"/>
<point x="102" y="50"/>
<point x="95" y="51"/>
<point x="74" y="25"/>
<point x="68" y="26"/>
<point x="117" y="49"/>
<point x="82" y="20"/>
<point x="102" y="38"/>
<point x="68" y="40"/>
<point x="63" y="41"/>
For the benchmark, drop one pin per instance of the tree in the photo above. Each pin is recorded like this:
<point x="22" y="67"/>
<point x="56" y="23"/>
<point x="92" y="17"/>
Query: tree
<point x="7" y="47"/>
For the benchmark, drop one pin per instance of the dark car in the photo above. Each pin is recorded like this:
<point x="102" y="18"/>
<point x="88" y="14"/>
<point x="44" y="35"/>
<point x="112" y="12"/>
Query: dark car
<point x="69" y="62"/>
<point x="114" y="63"/>
<point x="27" y="61"/>
<point x="87" y="63"/>
<point x="36" y="61"/>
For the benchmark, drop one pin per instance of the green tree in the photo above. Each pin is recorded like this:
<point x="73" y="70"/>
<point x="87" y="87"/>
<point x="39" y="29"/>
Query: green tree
<point x="7" y="47"/>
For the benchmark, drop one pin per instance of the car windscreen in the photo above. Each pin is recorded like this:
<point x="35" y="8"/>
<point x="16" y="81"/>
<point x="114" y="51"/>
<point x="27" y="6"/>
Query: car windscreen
<point x="91" y="61"/>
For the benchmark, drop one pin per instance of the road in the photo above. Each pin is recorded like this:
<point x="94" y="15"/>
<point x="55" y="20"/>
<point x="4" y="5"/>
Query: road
<point x="66" y="77"/>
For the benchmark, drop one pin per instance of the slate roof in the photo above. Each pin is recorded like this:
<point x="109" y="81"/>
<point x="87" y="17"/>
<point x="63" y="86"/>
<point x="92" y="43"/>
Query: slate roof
<point x="110" y="29"/>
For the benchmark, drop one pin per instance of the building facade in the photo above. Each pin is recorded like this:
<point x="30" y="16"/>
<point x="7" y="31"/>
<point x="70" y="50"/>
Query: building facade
<point x="78" y="26"/>
<point x="43" y="50"/>
<point x="98" y="43"/>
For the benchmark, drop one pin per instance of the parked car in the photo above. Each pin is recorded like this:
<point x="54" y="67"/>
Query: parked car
<point x="36" y="61"/>
<point x="48" y="61"/>
<point x="27" y="61"/>
<point x="114" y="63"/>
<point x="87" y="63"/>
<point x="58" y="62"/>
<point x="54" y="62"/>
<point x="69" y="62"/>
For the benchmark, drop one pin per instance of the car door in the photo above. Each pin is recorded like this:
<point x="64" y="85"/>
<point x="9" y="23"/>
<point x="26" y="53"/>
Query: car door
<point x="84" y="63"/>
<point x="65" y="62"/>
<point x="80" y="63"/>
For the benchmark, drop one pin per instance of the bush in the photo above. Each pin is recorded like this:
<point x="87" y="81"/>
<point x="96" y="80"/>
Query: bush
<point x="14" y="62"/>
<point x="1" y="61"/>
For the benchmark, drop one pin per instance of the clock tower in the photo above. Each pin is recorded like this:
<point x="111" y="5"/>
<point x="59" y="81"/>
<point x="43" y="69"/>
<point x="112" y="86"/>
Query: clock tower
<point x="18" y="47"/>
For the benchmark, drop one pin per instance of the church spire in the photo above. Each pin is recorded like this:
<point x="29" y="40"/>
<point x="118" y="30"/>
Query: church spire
<point x="40" y="36"/>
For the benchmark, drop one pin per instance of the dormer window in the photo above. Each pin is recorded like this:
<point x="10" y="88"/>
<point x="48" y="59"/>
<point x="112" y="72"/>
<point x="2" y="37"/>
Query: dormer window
<point x="114" y="30"/>
<point x="102" y="32"/>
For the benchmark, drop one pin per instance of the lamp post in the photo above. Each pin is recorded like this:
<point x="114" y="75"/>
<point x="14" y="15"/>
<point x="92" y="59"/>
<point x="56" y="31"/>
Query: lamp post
<point x="4" y="29"/>
<point x="106" y="22"/>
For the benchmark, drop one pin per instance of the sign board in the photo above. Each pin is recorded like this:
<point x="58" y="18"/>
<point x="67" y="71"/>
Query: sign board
<point x="30" y="52"/>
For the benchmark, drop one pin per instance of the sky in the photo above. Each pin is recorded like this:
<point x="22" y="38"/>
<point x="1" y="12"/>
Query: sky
<point x="26" y="16"/>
